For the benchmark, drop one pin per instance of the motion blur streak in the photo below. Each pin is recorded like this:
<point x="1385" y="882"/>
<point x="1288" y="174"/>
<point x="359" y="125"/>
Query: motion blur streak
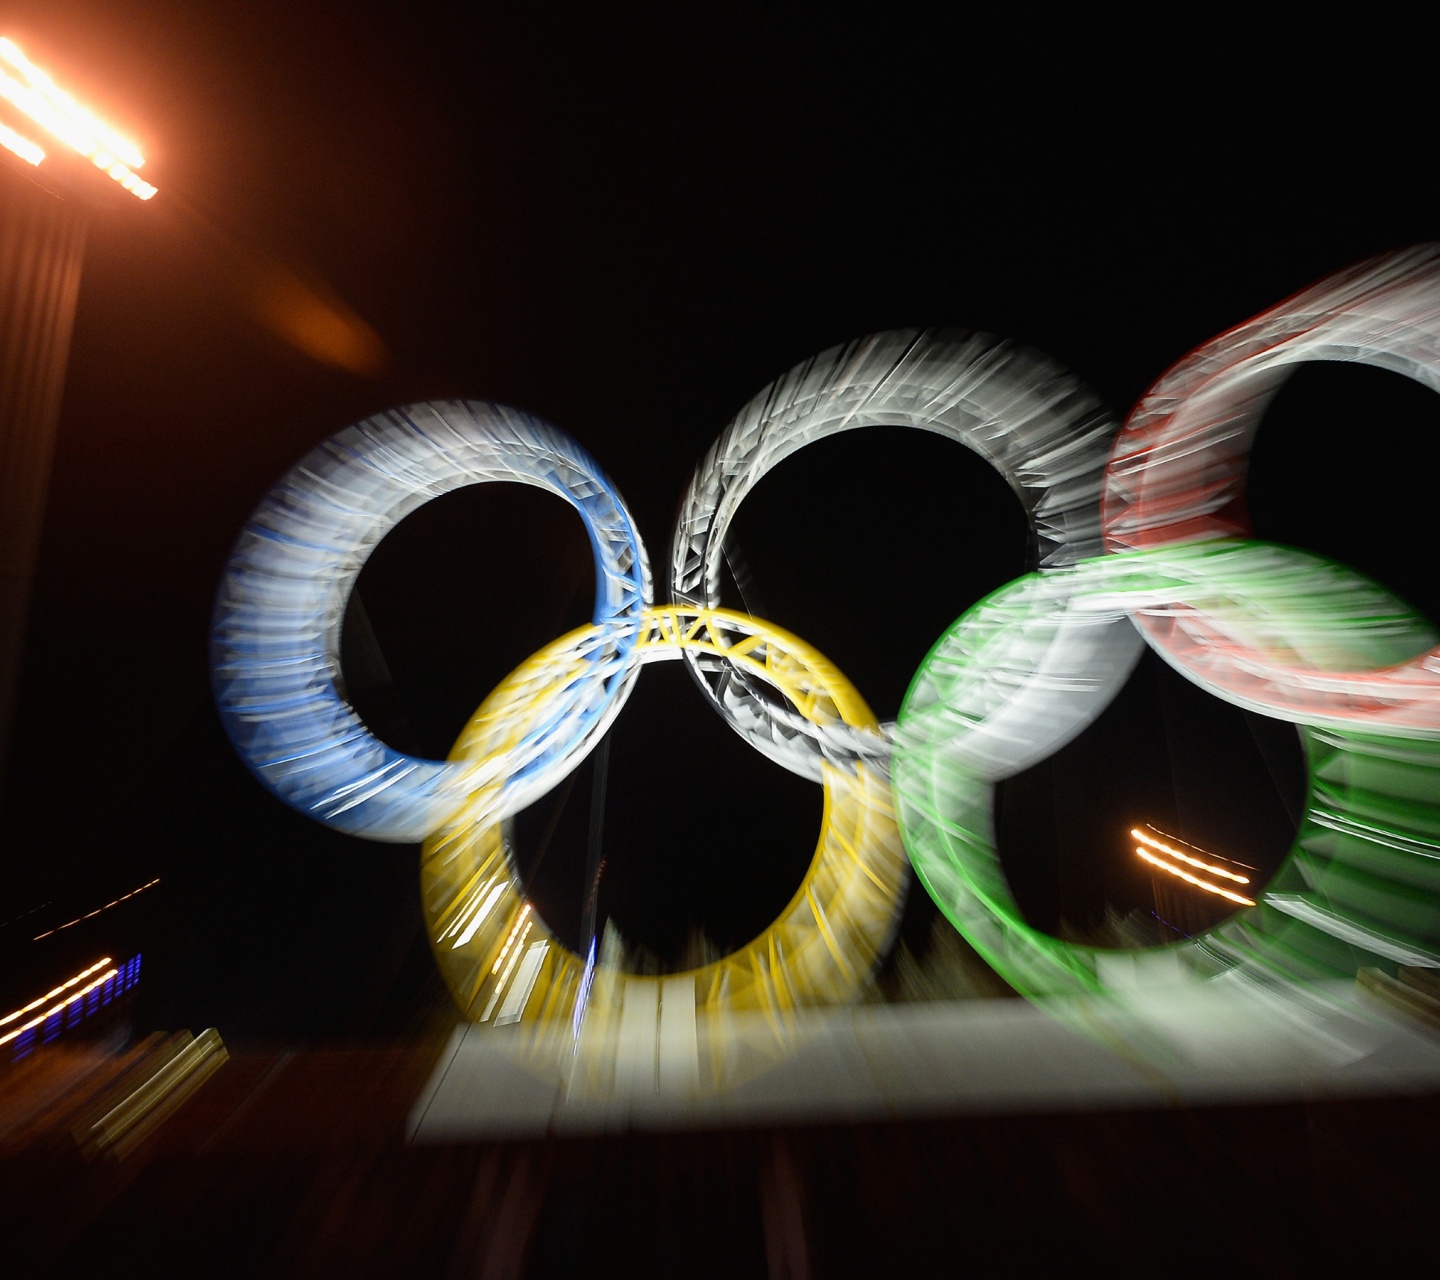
<point x="115" y="903"/>
<point x="1265" y="627"/>
<point x="1195" y="880"/>
<point x="819" y="951"/>
<point x="42" y="244"/>
<point x="54" y="1009"/>
<point x="176" y="1071"/>
<point x="28" y="151"/>
<point x="505" y="949"/>
<point x="275" y="641"/>
<point x="290" y="301"/>
<point x="475" y="920"/>
<point x="59" y="114"/>
<point x="1186" y="858"/>
<point x="68" y="107"/>
<point x="313" y="319"/>
<point x="1242" y="1041"/>
<point x="50" y="995"/>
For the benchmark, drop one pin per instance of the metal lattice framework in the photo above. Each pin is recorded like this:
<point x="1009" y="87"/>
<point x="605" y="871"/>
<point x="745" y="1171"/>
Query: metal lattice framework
<point x="499" y="957"/>
<point x="275" y="642"/>
<point x="1028" y="668"/>
<point x="1177" y="474"/>
<point x="277" y="679"/>
<point x="1269" y="628"/>
<point x="1264" y="627"/>
<point x="1032" y="420"/>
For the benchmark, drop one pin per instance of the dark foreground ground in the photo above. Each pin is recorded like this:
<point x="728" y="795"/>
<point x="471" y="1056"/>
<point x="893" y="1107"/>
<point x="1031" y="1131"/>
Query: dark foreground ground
<point x="295" y="1163"/>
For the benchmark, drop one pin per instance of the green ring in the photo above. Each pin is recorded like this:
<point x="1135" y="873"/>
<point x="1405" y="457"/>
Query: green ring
<point x="1359" y="887"/>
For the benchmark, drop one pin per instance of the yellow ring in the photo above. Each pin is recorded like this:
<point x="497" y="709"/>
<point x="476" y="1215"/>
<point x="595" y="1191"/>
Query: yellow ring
<point x="501" y="962"/>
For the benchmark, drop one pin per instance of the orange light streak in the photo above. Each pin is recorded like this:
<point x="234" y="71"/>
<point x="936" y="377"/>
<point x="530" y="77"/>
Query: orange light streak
<point x="30" y="152"/>
<point x="1185" y="857"/>
<point x="50" y="995"/>
<point x="1198" y="883"/>
<point x="519" y="921"/>
<point x="68" y="107"/>
<point x="59" y="114"/>
<point x="96" y="912"/>
<point x="505" y="977"/>
<point x="34" y="106"/>
<point x="64" y="1004"/>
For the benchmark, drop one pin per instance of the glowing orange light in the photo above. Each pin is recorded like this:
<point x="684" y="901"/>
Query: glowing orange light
<point x="58" y="113"/>
<point x="64" y="1004"/>
<point x="1185" y="857"/>
<point x="50" y="995"/>
<point x="96" y="912"/>
<point x="68" y="107"/>
<point x="1188" y="878"/>
<point x="28" y="151"/>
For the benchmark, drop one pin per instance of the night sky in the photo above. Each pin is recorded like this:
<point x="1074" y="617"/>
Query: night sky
<point x="629" y="225"/>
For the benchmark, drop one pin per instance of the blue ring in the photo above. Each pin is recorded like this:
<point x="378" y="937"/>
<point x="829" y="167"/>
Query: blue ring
<point x="275" y="637"/>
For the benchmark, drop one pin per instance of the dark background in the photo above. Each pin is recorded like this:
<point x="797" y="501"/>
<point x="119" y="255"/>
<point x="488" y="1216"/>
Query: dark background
<point x="629" y="225"/>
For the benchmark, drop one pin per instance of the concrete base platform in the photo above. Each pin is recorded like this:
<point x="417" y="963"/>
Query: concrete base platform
<point x="1189" y="1045"/>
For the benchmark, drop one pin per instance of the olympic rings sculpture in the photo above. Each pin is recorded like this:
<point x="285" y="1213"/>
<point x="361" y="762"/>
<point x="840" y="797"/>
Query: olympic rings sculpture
<point x="819" y="950"/>
<point x="275" y="646"/>
<point x="1261" y="626"/>
<point x="1139" y="539"/>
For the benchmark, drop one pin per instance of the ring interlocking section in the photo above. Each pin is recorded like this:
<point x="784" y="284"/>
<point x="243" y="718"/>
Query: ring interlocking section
<point x="1139" y="538"/>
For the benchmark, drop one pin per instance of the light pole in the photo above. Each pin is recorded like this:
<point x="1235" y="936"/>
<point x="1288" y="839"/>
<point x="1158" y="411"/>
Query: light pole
<point x="42" y="238"/>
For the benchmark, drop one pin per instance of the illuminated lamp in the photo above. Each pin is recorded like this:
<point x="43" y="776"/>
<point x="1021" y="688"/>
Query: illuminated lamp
<point x="31" y="91"/>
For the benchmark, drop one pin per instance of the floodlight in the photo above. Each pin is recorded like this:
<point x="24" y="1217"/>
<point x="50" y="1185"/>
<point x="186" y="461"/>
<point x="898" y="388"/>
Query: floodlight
<point x="35" y="94"/>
